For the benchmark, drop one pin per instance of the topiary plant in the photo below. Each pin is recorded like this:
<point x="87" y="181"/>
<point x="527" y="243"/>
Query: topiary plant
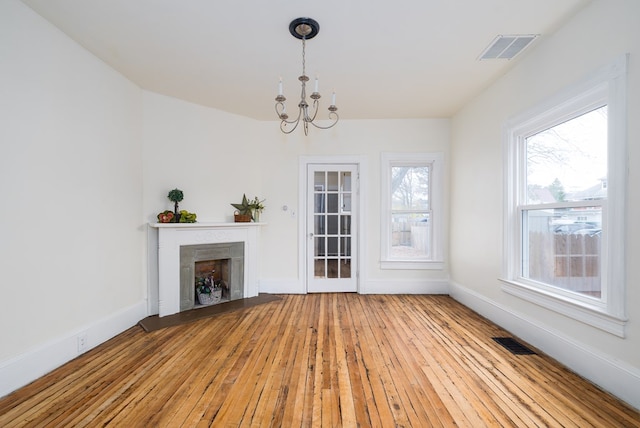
<point x="176" y="196"/>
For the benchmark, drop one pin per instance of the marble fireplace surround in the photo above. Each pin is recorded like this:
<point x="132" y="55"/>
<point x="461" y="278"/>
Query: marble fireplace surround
<point x="171" y="236"/>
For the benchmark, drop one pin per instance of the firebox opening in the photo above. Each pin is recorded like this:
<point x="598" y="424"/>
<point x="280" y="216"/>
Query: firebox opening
<point x="211" y="282"/>
<point x="218" y="267"/>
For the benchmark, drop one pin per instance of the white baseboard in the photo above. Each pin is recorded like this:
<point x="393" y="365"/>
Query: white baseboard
<point x="23" y="369"/>
<point x="617" y="377"/>
<point x="378" y="286"/>
<point x="422" y="286"/>
<point x="282" y="286"/>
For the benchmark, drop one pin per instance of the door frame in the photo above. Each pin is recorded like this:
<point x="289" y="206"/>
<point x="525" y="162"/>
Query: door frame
<point x="360" y="194"/>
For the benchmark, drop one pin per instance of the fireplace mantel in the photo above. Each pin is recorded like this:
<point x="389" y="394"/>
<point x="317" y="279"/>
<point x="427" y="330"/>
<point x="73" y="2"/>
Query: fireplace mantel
<point x="205" y="225"/>
<point x="171" y="236"/>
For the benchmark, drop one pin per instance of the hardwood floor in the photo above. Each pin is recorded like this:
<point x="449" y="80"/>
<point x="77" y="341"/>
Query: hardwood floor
<point x="317" y="360"/>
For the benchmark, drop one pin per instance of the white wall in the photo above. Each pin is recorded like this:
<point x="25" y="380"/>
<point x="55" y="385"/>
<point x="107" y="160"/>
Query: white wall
<point x="595" y="37"/>
<point x="215" y="157"/>
<point x="212" y="156"/>
<point x="71" y="246"/>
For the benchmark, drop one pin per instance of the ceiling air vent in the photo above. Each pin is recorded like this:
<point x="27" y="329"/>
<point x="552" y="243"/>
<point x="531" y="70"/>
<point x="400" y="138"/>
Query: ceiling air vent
<point x="507" y="47"/>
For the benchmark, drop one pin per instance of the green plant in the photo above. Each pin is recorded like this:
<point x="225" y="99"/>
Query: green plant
<point x="187" y="217"/>
<point x="175" y="196"/>
<point x="257" y="204"/>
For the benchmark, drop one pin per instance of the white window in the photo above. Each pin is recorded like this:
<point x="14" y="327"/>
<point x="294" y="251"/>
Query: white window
<point x="412" y="210"/>
<point x="565" y="202"/>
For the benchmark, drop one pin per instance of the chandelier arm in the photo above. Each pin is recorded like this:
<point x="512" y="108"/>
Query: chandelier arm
<point x="333" y="116"/>
<point x="305" y="114"/>
<point x="295" y="123"/>
<point x="281" y="111"/>
<point x="296" y="120"/>
<point x="315" y="110"/>
<point x="284" y="123"/>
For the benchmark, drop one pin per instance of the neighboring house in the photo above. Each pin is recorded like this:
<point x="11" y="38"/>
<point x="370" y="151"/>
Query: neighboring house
<point x="597" y="191"/>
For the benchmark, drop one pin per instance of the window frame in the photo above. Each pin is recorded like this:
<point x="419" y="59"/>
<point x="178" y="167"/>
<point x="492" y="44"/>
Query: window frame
<point x="606" y="86"/>
<point x="436" y="210"/>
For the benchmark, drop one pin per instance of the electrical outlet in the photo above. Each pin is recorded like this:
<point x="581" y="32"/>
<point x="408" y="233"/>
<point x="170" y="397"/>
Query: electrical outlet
<point x="82" y="343"/>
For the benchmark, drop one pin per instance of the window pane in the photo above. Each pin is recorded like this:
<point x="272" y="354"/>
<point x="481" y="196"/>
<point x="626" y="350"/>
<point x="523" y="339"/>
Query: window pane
<point x="319" y="246"/>
<point x="319" y="206"/>
<point x="332" y="224"/>
<point x="410" y="188"/>
<point x="346" y="182"/>
<point x="333" y="205"/>
<point x="333" y="268"/>
<point x="345" y="224"/>
<point x="345" y="247"/>
<point x="569" y="161"/>
<point x="561" y="248"/>
<point x="332" y="246"/>
<point x="345" y="268"/>
<point x="332" y="180"/>
<point x="346" y="203"/>
<point x="318" y="227"/>
<point x="410" y="236"/>
<point x="320" y="269"/>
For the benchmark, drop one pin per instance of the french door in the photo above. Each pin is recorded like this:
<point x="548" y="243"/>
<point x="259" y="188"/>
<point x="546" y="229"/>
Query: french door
<point x="331" y="228"/>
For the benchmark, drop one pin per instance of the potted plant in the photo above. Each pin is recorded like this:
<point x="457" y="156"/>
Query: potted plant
<point x="257" y="206"/>
<point x="176" y="196"/>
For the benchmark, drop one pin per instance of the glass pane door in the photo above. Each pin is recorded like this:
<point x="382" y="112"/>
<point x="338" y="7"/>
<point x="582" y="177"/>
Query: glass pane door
<point x="331" y="237"/>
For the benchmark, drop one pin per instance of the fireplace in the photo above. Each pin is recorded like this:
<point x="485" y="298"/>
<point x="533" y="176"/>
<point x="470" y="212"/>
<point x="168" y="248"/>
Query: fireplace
<point x="222" y="264"/>
<point x="235" y="242"/>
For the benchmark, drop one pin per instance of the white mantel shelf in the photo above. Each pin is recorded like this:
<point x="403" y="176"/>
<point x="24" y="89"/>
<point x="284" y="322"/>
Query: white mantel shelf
<point x="165" y="288"/>
<point x="203" y="225"/>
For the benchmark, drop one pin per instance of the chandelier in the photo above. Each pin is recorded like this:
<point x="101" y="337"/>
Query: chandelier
<point x="304" y="29"/>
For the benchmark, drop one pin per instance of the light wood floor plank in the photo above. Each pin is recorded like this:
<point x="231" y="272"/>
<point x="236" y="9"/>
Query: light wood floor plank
<point x="325" y="360"/>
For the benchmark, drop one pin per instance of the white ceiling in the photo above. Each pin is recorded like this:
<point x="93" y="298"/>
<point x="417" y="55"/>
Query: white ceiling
<point x="385" y="59"/>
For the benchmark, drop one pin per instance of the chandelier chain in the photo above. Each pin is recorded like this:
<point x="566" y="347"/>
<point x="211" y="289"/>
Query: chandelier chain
<point x="304" y="61"/>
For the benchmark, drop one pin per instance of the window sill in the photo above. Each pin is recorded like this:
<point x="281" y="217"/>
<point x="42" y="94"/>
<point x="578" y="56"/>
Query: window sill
<point x="411" y="265"/>
<point x="580" y="311"/>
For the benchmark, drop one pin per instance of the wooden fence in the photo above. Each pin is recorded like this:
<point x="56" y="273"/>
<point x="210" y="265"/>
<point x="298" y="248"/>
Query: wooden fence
<point x="568" y="261"/>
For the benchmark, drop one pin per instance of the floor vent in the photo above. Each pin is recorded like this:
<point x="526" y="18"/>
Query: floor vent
<point x="513" y="346"/>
